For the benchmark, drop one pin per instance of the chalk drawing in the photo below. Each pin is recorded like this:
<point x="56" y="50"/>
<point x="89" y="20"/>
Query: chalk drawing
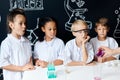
<point x="0" y="18"/>
<point x="27" y="4"/>
<point x="116" y="33"/>
<point x="32" y="36"/>
<point x="75" y="11"/>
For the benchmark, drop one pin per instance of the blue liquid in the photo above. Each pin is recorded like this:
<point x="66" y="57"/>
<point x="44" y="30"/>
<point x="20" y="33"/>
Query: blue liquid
<point x="51" y="71"/>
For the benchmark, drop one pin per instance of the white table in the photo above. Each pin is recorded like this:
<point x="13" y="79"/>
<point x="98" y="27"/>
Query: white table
<point x="108" y="71"/>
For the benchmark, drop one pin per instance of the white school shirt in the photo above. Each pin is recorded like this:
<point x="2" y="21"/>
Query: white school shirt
<point x="109" y="42"/>
<point x="73" y="52"/>
<point x="14" y="51"/>
<point x="49" y="51"/>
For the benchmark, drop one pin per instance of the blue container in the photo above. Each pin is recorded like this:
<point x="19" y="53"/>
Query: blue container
<point x="51" y="71"/>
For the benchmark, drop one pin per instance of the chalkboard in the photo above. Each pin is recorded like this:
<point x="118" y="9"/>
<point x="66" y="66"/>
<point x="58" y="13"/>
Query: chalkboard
<point x="65" y="12"/>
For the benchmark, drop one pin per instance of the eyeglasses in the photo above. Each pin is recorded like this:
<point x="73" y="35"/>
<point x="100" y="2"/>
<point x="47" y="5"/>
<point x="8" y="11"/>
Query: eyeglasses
<point x="82" y="30"/>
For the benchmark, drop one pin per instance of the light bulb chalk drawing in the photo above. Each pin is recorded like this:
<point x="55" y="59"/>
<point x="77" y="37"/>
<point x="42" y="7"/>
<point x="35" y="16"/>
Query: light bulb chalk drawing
<point x="75" y="11"/>
<point x="116" y="33"/>
<point x="31" y="32"/>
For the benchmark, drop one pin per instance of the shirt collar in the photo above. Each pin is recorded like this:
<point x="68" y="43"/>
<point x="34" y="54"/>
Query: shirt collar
<point x="22" y="39"/>
<point x="50" y="43"/>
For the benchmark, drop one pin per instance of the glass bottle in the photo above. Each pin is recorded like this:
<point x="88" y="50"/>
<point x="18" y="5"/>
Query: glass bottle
<point x="51" y="70"/>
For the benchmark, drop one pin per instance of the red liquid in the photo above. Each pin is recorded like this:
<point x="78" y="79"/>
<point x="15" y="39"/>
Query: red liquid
<point x="100" y="53"/>
<point x="97" y="78"/>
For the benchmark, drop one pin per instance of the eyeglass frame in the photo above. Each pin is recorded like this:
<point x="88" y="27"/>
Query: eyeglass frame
<point x="85" y="30"/>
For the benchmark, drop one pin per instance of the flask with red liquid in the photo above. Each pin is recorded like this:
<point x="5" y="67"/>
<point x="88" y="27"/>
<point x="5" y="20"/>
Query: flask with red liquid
<point x="100" y="53"/>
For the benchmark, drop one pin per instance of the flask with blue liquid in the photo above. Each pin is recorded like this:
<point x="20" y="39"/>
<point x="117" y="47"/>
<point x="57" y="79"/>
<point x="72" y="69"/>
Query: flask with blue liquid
<point x="51" y="71"/>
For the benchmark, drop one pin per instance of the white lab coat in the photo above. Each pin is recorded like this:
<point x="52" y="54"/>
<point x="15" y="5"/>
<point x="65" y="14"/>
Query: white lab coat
<point x="14" y="51"/>
<point x="49" y="51"/>
<point x="73" y="52"/>
<point x="109" y="42"/>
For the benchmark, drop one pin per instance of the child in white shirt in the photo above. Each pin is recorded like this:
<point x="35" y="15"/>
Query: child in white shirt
<point x="78" y="51"/>
<point x="50" y="48"/>
<point x="16" y="54"/>
<point x="102" y="28"/>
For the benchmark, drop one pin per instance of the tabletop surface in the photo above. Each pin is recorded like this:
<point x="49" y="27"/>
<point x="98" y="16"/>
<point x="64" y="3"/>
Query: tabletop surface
<point x="107" y="71"/>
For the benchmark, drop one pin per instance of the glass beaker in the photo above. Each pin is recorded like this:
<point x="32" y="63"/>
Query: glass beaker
<point x="98" y="71"/>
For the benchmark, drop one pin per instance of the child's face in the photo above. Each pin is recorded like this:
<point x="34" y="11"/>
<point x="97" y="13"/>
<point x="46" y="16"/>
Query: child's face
<point x="101" y="31"/>
<point x="80" y="31"/>
<point x="18" y="26"/>
<point x="50" y="30"/>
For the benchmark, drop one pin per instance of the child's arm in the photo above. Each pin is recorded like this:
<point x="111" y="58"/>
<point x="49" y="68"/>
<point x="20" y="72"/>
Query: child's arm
<point x="12" y="67"/>
<point x="28" y="66"/>
<point x="104" y="59"/>
<point x="31" y="61"/>
<point x="37" y="62"/>
<point x="110" y="58"/>
<point x="43" y="64"/>
<point x="60" y="57"/>
<point x="109" y="51"/>
<point x="84" y="54"/>
<point x="84" y="51"/>
<point x="76" y="63"/>
<point x="58" y="62"/>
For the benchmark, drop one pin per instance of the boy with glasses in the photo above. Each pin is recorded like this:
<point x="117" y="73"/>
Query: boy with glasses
<point x="78" y="51"/>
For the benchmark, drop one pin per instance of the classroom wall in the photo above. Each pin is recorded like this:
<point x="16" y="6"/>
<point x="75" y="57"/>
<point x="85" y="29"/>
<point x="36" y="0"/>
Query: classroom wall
<point x="65" y="12"/>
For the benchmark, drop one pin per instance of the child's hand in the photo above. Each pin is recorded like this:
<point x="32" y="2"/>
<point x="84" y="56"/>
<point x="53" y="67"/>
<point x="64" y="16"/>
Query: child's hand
<point x="85" y="39"/>
<point x="28" y="67"/>
<point x="101" y="59"/>
<point x="38" y="62"/>
<point x="44" y="64"/>
<point x="108" y="52"/>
